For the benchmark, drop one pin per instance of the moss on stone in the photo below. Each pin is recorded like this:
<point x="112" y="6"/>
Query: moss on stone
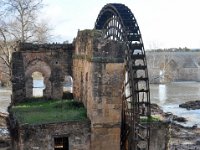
<point x="150" y="119"/>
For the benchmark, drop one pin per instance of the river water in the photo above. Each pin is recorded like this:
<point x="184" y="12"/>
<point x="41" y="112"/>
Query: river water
<point x="168" y="96"/>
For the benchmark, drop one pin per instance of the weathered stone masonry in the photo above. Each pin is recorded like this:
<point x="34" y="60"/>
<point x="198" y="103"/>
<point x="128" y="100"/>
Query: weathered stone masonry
<point x="98" y="77"/>
<point x="54" y="61"/>
<point x="41" y="137"/>
<point x="97" y="68"/>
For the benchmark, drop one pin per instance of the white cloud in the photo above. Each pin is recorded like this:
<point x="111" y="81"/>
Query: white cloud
<point x="163" y="23"/>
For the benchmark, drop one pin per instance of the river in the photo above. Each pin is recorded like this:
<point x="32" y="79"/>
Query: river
<point x="168" y="96"/>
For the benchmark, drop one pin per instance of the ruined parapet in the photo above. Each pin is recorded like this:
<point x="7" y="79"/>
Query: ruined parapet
<point x="43" y="47"/>
<point x="98" y="66"/>
<point x="53" y="61"/>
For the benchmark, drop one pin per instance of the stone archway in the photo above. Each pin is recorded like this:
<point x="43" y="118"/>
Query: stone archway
<point x="45" y="70"/>
<point x="53" y="61"/>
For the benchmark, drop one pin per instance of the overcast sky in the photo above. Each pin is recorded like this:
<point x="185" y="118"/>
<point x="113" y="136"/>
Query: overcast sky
<point x="163" y="23"/>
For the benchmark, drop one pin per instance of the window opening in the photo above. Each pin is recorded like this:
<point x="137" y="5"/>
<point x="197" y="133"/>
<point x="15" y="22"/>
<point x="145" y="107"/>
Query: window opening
<point x="61" y="143"/>
<point x="38" y="84"/>
<point x="68" y="84"/>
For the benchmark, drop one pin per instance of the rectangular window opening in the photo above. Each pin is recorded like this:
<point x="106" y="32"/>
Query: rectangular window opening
<point x="61" y="143"/>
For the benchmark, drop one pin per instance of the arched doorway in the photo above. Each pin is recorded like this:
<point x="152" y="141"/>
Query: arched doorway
<point x="37" y="77"/>
<point x="38" y="84"/>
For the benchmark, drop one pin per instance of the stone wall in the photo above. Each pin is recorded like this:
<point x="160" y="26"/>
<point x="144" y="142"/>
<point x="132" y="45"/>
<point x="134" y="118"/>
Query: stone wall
<point x="98" y="76"/>
<point x="54" y="61"/>
<point x="41" y="137"/>
<point x="18" y="77"/>
<point x="159" y="136"/>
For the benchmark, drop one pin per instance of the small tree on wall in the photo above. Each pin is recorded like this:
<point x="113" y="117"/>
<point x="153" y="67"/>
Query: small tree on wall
<point x="19" y="22"/>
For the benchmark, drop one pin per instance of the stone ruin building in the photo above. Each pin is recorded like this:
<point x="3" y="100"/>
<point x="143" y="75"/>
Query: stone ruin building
<point x="96" y="65"/>
<point x="54" y="61"/>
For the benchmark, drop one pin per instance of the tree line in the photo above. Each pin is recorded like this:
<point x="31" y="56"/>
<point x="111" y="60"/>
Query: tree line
<point x="185" y="49"/>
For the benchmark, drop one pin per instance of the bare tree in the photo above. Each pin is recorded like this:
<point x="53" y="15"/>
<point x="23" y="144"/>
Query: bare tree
<point x="23" y="22"/>
<point x="19" y="22"/>
<point x="42" y="33"/>
<point x="6" y="49"/>
<point x="162" y="66"/>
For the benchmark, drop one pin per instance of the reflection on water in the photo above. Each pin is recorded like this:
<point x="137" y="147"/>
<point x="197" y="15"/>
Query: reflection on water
<point x="169" y="96"/>
<point x="162" y="93"/>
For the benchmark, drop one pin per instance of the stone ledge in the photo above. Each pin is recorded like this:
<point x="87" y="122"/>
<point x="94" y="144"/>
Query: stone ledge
<point x="99" y="59"/>
<point x="37" y="47"/>
<point x="106" y="125"/>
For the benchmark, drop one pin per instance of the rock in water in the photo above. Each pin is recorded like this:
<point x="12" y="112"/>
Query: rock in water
<point x="191" y="105"/>
<point x="179" y="119"/>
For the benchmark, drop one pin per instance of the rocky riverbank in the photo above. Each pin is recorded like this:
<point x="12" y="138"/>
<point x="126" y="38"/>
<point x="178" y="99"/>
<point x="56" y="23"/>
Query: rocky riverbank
<point x="184" y="138"/>
<point x="181" y="138"/>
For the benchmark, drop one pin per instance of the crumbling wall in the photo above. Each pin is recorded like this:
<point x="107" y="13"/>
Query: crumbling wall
<point x="159" y="136"/>
<point x="54" y="61"/>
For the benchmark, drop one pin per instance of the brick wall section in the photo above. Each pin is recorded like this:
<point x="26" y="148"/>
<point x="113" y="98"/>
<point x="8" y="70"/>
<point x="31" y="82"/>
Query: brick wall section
<point x="41" y="137"/>
<point x="98" y="76"/>
<point x="54" y="61"/>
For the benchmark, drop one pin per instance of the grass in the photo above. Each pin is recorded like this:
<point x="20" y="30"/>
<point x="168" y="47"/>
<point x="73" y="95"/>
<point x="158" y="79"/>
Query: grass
<point x="150" y="119"/>
<point x="49" y="111"/>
